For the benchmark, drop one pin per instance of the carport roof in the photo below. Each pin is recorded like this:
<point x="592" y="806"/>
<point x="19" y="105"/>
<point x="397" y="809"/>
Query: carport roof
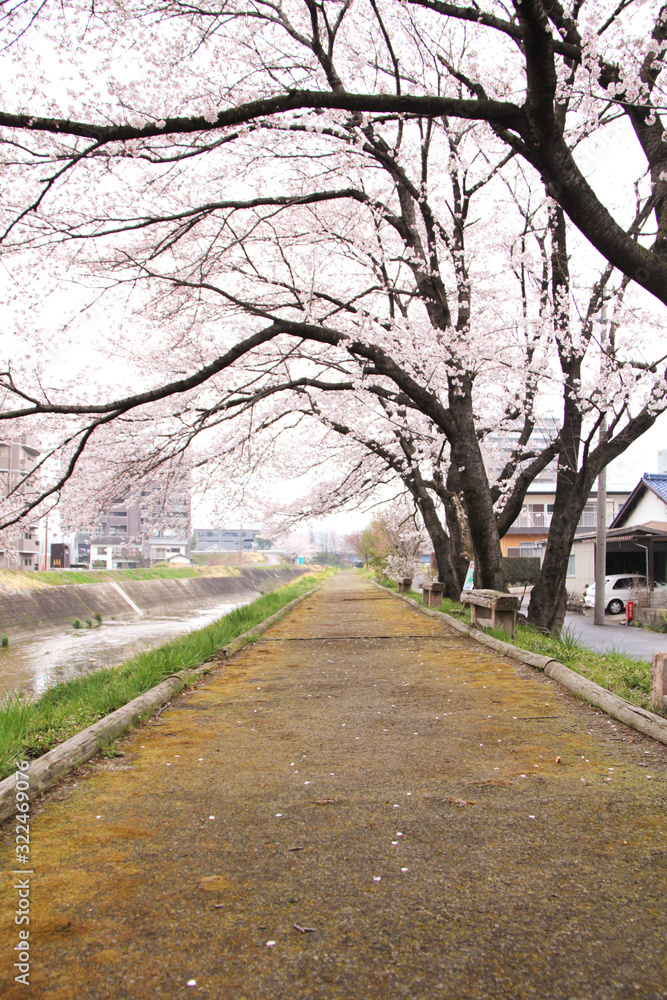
<point x="653" y="529"/>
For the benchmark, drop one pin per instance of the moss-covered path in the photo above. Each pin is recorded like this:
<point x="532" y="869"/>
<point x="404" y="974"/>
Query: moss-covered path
<point x="362" y="805"/>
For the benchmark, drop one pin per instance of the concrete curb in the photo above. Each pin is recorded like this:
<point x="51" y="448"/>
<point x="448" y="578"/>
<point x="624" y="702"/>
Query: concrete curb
<point x="47" y="770"/>
<point x="638" y="718"/>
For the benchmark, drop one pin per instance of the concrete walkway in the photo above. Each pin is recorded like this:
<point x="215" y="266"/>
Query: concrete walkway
<point x="363" y="805"/>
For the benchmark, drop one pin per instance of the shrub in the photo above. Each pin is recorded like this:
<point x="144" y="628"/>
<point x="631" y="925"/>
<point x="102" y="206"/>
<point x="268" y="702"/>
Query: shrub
<point x="98" y="617"/>
<point x="4" y="642"/>
<point x="77" y="623"/>
<point x="660" y="626"/>
<point x="523" y="569"/>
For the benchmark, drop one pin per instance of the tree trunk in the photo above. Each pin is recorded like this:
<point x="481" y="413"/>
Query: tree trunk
<point x="548" y="600"/>
<point x="478" y="501"/>
<point x="457" y="525"/>
<point x="436" y="531"/>
<point x="442" y="548"/>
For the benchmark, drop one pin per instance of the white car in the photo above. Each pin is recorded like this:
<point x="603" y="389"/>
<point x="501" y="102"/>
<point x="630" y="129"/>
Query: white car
<point x="617" y="590"/>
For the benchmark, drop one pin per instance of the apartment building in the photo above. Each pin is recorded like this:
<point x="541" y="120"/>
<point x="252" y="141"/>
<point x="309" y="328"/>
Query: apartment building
<point x="499" y="446"/>
<point x="17" y="458"/>
<point x="153" y="528"/>
<point x="225" y="539"/>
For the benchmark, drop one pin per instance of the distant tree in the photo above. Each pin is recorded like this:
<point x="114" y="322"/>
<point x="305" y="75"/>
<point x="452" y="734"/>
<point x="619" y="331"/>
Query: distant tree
<point x="329" y="559"/>
<point x="373" y="545"/>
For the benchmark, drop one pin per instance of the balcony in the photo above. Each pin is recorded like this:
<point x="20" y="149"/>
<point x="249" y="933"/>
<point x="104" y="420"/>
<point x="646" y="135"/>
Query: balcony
<point x="28" y="546"/>
<point x="532" y="519"/>
<point x="529" y="519"/>
<point x="589" y="519"/>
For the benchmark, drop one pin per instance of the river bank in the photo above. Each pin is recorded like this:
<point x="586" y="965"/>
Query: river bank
<point x="29" y="612"/>
<point x="32" y="663"/>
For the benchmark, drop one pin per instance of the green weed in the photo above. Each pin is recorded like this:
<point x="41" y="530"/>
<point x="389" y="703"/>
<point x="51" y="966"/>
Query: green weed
<point x="625" y="676"/>
<point x="112" y="750"/>
<point x="31" y="724"/>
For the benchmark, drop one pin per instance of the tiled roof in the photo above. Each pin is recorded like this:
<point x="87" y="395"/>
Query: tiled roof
<point x="657" y="482"/>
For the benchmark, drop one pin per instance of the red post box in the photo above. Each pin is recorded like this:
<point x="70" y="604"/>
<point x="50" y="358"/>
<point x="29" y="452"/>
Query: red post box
<point x="629" y="611"/>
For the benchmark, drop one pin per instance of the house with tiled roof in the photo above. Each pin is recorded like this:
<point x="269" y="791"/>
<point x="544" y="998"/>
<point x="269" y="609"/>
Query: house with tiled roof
<point x="647" y="504"/>
<point x="636" y="538"/>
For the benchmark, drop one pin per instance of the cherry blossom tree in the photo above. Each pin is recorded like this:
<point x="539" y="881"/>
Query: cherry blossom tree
<point x="369" y="457"/>
<point x="244" y="63"/>
<point x="292" y="169"/>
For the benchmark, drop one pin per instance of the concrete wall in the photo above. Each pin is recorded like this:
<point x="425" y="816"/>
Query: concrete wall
<point x="584" y="567"/>
<point x="650" y="616"/>
<point x="31" y="611"/>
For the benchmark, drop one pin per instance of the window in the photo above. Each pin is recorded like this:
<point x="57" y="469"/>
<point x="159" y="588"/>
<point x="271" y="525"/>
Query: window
<point x="529" y="550"/>
<point x="571" y="566"/>
<point x="589" y="516"/>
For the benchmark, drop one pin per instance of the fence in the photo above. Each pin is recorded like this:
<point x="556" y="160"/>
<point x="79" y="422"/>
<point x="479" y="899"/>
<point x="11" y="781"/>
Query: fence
<point x="645" y="598"/>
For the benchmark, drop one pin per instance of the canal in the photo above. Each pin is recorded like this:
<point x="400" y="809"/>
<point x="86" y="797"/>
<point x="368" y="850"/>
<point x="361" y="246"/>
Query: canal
<point x="33" y="663"/>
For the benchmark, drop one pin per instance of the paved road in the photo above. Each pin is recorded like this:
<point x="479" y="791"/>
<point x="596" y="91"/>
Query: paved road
<point x="364" y="805"/>
<point x="614" y="634"/>
<point x="640" y="643"/>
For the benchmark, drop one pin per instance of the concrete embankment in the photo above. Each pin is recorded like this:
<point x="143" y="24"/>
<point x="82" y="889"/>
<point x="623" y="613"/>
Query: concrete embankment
<point x="32" y="611"/>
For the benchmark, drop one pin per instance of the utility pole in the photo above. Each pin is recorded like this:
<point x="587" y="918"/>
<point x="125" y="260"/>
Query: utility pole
<point x="601" y="524"/>
<point x="601" y="543"/>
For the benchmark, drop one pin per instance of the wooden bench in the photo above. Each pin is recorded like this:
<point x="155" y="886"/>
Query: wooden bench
<point x="492" y="609"/>
<point x="432" y="594"/>
<point x="403" y="585"/>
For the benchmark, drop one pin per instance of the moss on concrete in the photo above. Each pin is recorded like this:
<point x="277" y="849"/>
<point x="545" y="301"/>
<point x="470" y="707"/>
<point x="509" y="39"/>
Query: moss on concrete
<point x="449" y="823"/>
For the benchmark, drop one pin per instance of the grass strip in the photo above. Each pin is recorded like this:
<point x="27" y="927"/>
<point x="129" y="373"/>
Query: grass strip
<point x="30" y="725"/>
<point x="16" y="579"/>
<point x="615" y="671"/>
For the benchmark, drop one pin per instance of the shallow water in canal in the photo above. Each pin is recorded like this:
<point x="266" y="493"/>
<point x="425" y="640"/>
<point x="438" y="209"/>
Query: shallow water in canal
<point x="34" y="663"/>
